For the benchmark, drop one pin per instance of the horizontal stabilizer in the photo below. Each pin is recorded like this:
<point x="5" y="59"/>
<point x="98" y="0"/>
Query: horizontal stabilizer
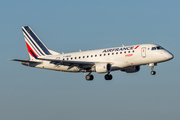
<point x="24" y="61"/>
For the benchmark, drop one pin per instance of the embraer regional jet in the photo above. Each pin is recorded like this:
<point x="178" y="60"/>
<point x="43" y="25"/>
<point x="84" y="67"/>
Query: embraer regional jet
<point x="125" y="58"/>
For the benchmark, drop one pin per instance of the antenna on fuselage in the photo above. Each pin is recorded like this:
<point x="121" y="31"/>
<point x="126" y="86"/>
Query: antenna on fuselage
<point x="79" y="50"/>
<point x="122" y="45"/>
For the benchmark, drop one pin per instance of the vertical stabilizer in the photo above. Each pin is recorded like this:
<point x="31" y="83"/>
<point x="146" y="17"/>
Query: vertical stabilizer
<point x="34" y="45"/>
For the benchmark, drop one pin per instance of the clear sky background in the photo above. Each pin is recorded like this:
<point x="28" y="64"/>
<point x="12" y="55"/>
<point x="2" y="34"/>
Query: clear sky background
<point x="69" y="25"/>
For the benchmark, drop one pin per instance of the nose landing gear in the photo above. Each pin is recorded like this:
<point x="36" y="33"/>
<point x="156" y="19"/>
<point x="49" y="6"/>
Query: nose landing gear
<point x="152" y="72"/>
<point x="152" y="67"/>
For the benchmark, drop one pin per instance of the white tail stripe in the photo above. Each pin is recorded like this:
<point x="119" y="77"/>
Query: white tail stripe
<point x="30" y="44"/>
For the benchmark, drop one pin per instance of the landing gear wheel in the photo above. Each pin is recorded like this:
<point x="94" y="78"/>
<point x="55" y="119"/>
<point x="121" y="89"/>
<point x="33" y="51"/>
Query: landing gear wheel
<point x="152" y="67"/>
<point x="89" y="77"/>
<point x="153" y="72"/>
<point x="108" y="77"/>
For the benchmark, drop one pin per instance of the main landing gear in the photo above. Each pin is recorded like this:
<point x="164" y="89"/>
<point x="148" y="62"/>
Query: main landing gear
<point x="152" y="67"/>
<point x="108" y="76"/>
<point x="90" y="77"/>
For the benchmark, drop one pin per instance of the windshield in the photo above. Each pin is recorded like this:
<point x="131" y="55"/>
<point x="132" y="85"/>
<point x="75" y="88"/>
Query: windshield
<point x="153" y="48"/>
<point x="157" y="48"/>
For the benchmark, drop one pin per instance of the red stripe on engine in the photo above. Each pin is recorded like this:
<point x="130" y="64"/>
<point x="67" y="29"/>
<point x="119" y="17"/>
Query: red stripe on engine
<point x="29" y="48"/>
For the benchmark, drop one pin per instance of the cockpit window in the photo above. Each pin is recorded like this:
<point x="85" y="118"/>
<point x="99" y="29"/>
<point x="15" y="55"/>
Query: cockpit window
<point x="157" y="48"/>
<point x="160" y="48"/>
<point x="153" y="48"/>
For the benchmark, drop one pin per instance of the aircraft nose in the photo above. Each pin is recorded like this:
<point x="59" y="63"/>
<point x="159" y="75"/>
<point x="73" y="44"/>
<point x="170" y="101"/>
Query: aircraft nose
<point x="169" y="56"/>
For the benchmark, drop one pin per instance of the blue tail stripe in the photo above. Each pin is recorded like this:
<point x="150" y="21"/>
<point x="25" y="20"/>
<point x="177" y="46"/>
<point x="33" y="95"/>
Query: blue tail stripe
<point x="45" y="50"/>
<point x="32" y="46"/>
<point x="33" y="54"/>
<point x="32" y="42"/>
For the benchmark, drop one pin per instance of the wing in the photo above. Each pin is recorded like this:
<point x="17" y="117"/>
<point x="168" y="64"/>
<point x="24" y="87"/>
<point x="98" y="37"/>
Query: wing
<point x="81" y="64"/>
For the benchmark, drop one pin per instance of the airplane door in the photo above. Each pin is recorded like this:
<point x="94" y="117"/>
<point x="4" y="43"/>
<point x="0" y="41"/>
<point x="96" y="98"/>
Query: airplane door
<point x="143" y="52"/>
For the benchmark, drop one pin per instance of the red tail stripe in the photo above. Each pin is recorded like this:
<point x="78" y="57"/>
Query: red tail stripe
<point x="29" y="48"/>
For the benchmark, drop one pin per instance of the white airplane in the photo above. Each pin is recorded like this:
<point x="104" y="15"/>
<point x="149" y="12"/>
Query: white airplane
<point x="125" y="58"/>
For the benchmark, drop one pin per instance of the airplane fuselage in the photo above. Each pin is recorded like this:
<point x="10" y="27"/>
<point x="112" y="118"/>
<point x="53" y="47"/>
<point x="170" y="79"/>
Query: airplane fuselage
<point x="119" y="57"/>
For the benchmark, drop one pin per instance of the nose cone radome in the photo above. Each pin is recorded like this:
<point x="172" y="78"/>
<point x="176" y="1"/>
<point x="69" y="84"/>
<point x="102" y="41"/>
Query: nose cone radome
<point x="168" y="56"/>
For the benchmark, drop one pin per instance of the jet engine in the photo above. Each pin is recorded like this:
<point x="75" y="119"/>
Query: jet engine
<point x="103" y="67"/>
<point x="132" y="69"/>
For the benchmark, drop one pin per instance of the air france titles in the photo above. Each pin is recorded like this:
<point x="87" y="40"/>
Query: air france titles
<point x="118" y="49"/>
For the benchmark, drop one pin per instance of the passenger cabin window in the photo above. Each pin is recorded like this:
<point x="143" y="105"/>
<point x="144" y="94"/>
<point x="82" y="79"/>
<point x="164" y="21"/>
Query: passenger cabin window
<point x="95" y="55"/>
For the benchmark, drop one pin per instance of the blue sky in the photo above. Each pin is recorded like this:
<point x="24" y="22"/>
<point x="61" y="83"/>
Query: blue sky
<point x="67" y="26"/>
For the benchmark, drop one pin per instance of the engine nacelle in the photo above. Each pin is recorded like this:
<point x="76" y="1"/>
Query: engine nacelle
<point x="103" y="68"/>
<point x="132" y="69"/>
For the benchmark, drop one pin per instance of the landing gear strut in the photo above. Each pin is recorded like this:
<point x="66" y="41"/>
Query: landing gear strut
<point x="89" y="77"/>
<point x="108" y="76"/>
<point x="152" y="67"/>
